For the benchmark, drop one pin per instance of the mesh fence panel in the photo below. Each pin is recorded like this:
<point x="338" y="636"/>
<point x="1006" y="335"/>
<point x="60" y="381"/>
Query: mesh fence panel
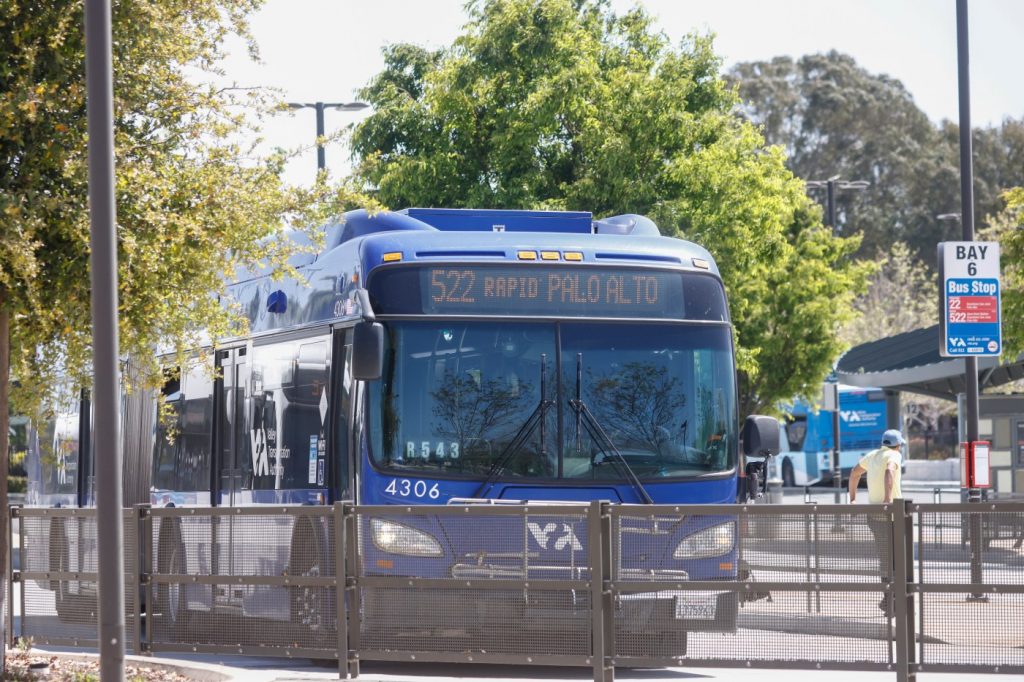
<point x="478" y="545"/>
<point x="823" y="547"/>
<point x="806" y="586"/>
<point x="63" y="609"/>
<point x="847" y="554"/>
<point x="533" y="621"/>
<point x="277" y="591"/>
<point x="961" y="632"/>
<point x="971" y="613"/>
<point x="840" y="627"/>
<point x="946" y="546"/>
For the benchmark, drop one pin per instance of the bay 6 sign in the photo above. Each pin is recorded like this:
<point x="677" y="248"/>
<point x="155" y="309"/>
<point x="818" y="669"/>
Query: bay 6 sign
<point x="971" y="323"/>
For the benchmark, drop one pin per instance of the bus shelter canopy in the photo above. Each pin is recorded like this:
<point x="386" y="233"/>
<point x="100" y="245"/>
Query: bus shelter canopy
<point x="911" y="362"/>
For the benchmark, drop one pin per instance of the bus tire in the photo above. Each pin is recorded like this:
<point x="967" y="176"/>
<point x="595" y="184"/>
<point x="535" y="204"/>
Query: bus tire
<point x="171" y="599"/>
<point x="308" y="605"/>
<point x="788" y="477"/>
<point x="60" y="563"/>
<point x="62" y="590"/>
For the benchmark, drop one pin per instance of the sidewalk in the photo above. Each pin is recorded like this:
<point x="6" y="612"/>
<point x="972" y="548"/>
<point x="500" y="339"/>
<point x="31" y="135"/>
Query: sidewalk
<point x="225" y="669"/>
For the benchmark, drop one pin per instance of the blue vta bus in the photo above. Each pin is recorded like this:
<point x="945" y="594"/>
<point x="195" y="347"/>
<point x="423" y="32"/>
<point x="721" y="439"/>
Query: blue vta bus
<point x="808" y="442"/>
<point x="449" y="356"/>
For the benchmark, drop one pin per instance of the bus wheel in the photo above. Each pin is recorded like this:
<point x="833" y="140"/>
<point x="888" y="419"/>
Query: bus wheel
<point x="307" y="601"/>
<point x="788" y="479"/>
<point x="170" y="597"/>
<point x="62" y="590"/>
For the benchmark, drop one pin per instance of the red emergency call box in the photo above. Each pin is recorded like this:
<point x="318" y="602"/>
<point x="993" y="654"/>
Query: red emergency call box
<point x="974" y="466"/>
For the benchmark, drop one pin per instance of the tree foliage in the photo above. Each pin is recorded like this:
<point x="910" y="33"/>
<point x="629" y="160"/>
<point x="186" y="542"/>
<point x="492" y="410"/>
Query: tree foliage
<point x="901" y="296"/>
<point x="193" y="200"/>
<point x="562" y="104"/>
<point x="835" y="118"/>
<point x="1008" y="228"/>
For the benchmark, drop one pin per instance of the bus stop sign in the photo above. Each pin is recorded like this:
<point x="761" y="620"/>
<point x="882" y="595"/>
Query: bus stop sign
<point x="971" y="324"/>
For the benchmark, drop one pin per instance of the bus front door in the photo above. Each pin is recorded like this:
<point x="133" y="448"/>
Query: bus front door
<point x="232" y="447"/>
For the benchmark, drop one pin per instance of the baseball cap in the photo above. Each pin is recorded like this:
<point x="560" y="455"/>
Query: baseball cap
<point x="892" y="438"/>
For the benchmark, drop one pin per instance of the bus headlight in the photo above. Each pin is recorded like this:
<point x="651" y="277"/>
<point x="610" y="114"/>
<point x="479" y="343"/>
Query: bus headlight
<point x="712" y="541"/>
<point x="397" y="538"/>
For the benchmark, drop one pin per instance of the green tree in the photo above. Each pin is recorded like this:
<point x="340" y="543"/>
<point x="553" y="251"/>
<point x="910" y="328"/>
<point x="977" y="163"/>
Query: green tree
<point x="1007" y="227"/>
<point x="835" y="118"/>
<point x="901" y="296"/>
<point x="193" y="202"/>
<point x="562" y="104"/>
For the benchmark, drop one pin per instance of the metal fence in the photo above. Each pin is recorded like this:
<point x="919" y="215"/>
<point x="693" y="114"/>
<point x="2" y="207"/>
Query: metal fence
<point x="866" y="587"/>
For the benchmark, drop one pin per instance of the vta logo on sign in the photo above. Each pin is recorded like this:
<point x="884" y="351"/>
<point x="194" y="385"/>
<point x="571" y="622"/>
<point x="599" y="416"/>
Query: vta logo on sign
<point x="957" y="342"/>
<point x="543" y="536"/>
<point x="849" y="415"/>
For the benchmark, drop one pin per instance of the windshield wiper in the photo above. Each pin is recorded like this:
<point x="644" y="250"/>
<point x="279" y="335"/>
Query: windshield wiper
<point x="535" y="420"/>
<point x="586" y="419"/>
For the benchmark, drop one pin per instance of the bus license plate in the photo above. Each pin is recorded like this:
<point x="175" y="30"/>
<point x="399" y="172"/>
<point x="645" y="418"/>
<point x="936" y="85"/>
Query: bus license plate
<point x="697" y="606"/>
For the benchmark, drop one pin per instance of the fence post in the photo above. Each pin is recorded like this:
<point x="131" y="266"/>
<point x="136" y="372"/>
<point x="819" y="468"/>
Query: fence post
<point x="602" y="608"/>
<point x="340" y="591"/>
<point x="143" y="572"/>
<point x="902" y="548"/>
<point x="351" y="572"/>
<point x="10" y="639"/>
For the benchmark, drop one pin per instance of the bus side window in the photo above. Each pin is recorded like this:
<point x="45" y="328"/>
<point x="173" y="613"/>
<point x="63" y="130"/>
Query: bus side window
<point x="288" y="383"/>
<point x="168" y="437"/>
<point x="182" y="462"/>
<point x="796" y="431"/>
<point x="196" y="430"/>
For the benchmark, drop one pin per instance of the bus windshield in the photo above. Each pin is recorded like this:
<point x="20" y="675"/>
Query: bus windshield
<point x="461" y="399"/>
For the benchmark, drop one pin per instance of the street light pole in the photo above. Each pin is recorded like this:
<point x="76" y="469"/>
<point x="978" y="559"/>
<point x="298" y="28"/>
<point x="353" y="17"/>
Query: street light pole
<point x="831" y="185"/>
<point x="321" y="159"/>
<point x="103" y="277"/>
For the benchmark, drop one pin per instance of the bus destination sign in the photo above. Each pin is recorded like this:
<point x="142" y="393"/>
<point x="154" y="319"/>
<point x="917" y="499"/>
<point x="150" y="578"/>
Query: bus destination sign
<point x="550" y="290"/>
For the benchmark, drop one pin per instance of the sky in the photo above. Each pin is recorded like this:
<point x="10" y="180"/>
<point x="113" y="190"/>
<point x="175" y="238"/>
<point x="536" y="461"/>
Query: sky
<point x="324" y="50"/>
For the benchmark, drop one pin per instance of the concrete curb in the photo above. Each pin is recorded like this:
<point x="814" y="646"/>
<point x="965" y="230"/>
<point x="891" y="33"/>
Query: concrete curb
<point x="821" y="625"/>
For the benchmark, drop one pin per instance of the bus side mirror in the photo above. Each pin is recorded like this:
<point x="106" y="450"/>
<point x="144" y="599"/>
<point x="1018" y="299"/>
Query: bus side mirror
<point x="367" y="351"/>
<point x="760" y="436"/>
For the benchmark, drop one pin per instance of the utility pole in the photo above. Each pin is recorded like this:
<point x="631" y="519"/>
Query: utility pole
<point x="103" y="271"/>
<point x="831" y="185"/>
<point x="321" y="159"/>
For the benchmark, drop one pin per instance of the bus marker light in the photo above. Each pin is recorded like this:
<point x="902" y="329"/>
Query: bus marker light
<point x="549" y="255"/>
<point x="527" y="255"/>
<point x="701" y="263"/>
<point x="392" y="257"/>
<point x="572" y="255"/>
<point x="385" y="563"/>
<point x="725" y="566"/>
<point x="277" y="302"/>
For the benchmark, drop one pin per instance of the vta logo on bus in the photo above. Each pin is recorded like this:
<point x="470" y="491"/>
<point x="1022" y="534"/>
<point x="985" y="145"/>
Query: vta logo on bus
<point x="544" y="535"/>
<point x="260" y="458"/>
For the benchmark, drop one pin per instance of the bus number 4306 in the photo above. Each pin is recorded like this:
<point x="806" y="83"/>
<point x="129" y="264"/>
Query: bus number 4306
<point x="406" y="488"/>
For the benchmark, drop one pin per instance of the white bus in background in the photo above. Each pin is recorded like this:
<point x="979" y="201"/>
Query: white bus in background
<point x="807" y="438"/>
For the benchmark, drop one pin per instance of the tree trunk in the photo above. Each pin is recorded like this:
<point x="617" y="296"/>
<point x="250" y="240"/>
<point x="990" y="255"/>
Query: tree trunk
<point x="5" y="372"/>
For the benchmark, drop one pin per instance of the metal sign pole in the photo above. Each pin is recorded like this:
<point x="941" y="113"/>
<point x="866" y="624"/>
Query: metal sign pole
<point x="967" y="222"/>
<point x="837" y="469"/>
<point x="103" y="269"/>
